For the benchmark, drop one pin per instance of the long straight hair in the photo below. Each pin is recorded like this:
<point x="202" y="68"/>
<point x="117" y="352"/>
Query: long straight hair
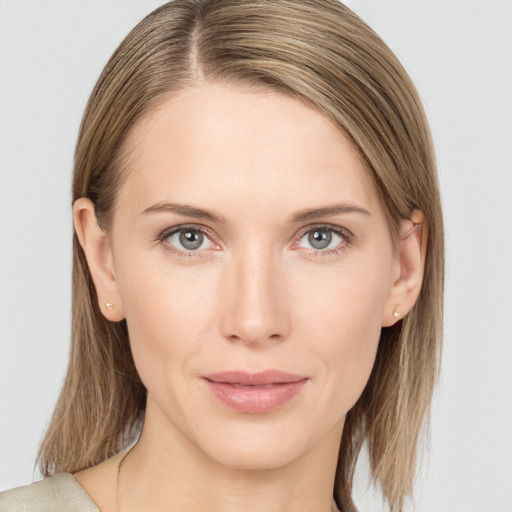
<point x="319" y="52"/>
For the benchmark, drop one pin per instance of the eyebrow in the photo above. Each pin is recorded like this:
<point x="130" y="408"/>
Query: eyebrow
<point x="326" y="211"/>
<point x="300" y="216"/>
<point x="186" y="210"/>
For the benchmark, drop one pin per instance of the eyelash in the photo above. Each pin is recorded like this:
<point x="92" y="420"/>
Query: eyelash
<point x="345" y="234"/>
<point x="178" y="229"/>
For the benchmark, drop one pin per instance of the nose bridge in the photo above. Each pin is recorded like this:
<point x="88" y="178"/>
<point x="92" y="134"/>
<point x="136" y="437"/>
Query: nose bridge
<point x="255" y="311"/>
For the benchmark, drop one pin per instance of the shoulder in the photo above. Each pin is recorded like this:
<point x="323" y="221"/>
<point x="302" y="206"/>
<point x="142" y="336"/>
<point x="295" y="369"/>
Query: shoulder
<point x="59" y="493"/>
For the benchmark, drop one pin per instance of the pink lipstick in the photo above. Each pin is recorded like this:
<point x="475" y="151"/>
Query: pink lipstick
<point x="255" y="393"/>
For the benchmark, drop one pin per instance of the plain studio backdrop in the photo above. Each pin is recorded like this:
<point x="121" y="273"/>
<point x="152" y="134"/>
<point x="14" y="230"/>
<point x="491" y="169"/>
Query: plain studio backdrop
<point x="458" y="53"/>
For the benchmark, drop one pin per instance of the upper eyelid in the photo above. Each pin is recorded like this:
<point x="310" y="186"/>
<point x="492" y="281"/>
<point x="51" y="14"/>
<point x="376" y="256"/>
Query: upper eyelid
<point x="183" y="227"/>
<point x="338" y="229"/>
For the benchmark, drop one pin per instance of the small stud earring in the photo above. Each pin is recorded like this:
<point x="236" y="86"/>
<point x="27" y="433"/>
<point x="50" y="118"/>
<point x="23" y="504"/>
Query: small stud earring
<point x="396" y="314"/>
<point x="109" y="305"/>
<point x="414" y="226"/>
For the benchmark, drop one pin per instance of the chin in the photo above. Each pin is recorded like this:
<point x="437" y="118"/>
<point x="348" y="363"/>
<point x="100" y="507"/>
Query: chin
<point x="256" y="457"/>
<point x="269" y="445"/>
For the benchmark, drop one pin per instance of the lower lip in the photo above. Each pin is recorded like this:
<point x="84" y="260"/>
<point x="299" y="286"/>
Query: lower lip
<point x="255" y="399"/>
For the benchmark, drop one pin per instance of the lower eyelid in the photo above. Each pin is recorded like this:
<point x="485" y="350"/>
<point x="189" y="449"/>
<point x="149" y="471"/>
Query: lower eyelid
<point x="326" y="252"/>
<point x="182" y="254"/>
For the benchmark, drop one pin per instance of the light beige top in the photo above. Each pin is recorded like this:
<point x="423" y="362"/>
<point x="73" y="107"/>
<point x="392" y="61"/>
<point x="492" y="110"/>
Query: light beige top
<point x="59" y="493"/>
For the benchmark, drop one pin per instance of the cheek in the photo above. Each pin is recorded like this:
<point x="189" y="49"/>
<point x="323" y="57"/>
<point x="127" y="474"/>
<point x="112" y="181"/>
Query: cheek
<point x="340" y="316"/>
<point x="167" y="311"/>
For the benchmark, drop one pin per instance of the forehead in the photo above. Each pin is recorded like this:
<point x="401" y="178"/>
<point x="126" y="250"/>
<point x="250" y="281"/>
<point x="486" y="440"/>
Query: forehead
<point x="239" y="145"/>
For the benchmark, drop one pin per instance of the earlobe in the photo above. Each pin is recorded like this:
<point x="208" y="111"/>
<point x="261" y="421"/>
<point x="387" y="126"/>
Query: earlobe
<point x="97" y="250"/>
<point x="412" y="251"/>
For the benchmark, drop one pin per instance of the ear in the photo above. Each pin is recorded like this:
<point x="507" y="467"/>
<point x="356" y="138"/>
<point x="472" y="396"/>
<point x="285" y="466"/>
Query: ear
<point x="96" y="246"/>
<point x="412" y="249"/>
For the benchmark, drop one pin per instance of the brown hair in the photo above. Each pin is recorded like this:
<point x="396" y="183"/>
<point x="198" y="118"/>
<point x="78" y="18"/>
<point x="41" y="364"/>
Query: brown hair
<point x="318" y="51"/>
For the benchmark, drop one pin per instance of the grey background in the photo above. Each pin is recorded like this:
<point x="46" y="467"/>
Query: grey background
<point x="458" y="53"/>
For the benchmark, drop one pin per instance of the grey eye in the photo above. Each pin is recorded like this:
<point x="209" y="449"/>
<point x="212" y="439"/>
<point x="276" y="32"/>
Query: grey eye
<point x="191" y="239"/>
<point x="320" y="238"/>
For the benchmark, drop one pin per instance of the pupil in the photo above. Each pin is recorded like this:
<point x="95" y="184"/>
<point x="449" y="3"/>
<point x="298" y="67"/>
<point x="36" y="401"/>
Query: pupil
<point x="320" y="239"/>
<point x="191" y="239"/>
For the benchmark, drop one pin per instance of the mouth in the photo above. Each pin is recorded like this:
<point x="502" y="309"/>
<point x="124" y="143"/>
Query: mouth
<point x="255" y="393"/>
<point x="264" y="378"/>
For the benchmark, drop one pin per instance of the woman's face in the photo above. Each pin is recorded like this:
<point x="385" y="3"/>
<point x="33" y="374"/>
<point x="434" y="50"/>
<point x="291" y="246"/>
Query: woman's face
<point x="248" y="238"/>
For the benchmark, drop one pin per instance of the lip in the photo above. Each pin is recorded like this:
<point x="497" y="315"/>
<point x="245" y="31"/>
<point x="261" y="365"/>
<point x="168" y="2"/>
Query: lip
<point x="255" y="393"/>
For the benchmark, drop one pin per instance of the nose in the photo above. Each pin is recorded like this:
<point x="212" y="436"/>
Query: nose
<point x="253" y="293"/>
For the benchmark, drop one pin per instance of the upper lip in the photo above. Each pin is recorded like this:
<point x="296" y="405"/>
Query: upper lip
<point x="254" y="379"/>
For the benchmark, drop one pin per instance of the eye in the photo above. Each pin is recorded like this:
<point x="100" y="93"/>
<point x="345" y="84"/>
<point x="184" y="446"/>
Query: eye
<point x="186" y="240"/>
<point x="324" y="239"/>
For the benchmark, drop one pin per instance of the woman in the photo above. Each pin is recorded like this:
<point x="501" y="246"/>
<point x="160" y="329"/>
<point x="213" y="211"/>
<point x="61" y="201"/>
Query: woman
<point x="258" y="268"/>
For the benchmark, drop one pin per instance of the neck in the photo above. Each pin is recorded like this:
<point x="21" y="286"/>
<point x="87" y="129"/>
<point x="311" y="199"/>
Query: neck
<point x="168" y="473"/>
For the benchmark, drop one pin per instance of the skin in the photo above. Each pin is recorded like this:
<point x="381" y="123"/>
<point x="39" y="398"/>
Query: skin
<point x="256" y="295"/>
